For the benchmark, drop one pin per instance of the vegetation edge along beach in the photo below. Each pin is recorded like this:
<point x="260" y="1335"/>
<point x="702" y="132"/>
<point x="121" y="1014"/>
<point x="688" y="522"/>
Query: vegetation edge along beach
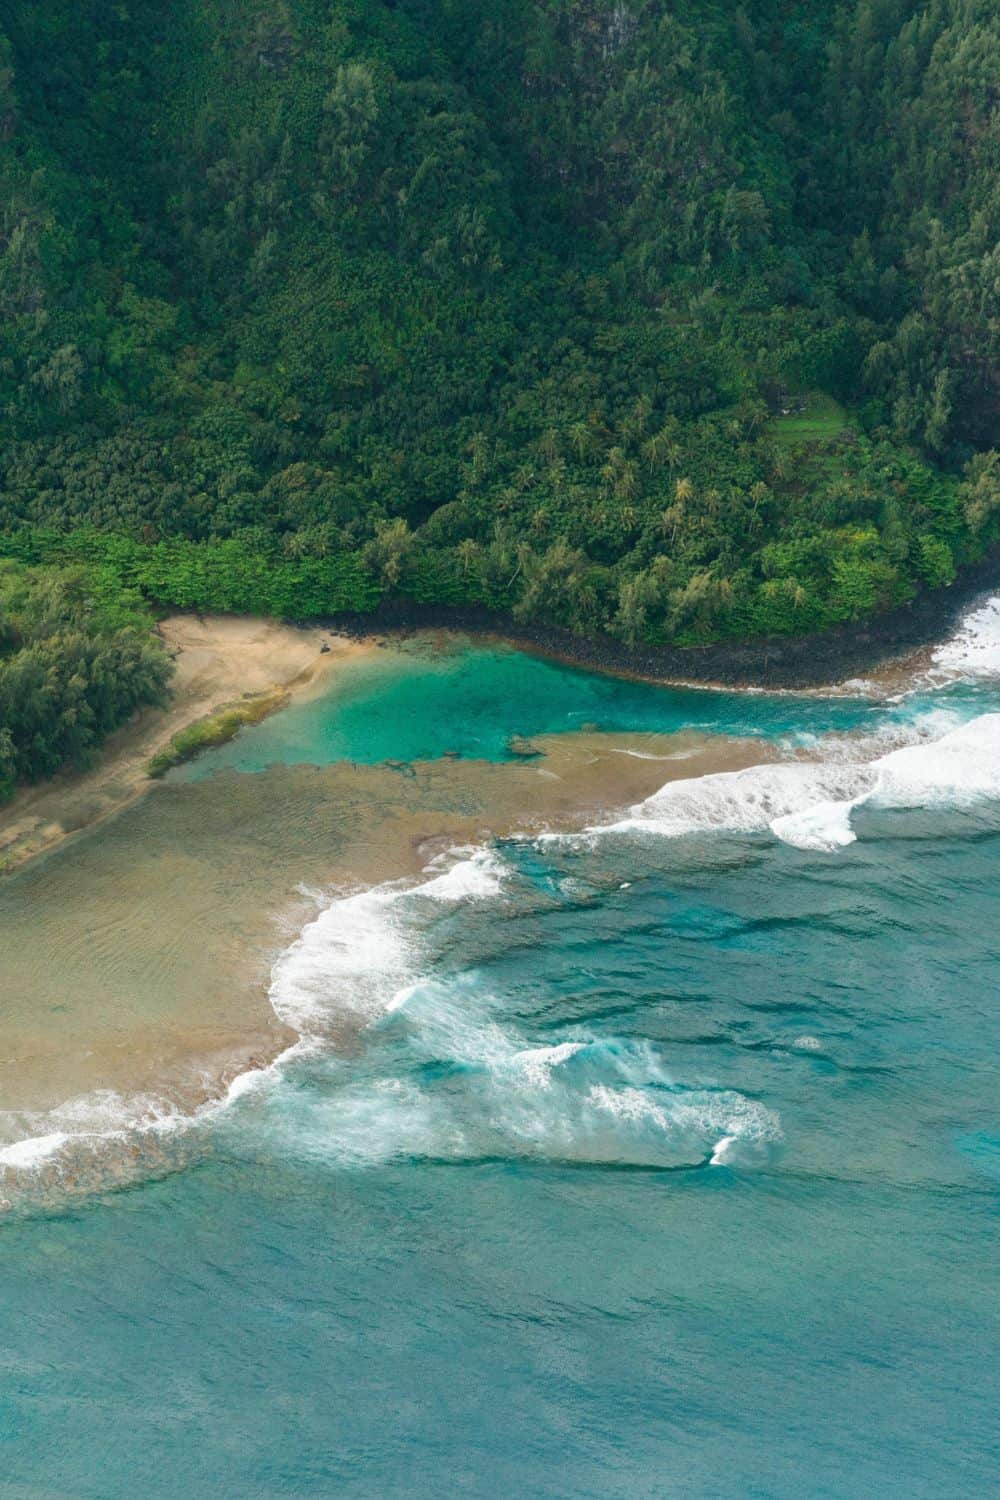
<point x="74" y="593"/>
<point x="786" y="663"/>
<point x="226" y="670"/>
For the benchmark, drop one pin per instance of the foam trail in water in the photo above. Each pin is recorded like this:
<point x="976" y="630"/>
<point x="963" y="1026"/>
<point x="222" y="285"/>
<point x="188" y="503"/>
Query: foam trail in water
<point x="91" y="1121"/>
<point x="456" y="1082"/>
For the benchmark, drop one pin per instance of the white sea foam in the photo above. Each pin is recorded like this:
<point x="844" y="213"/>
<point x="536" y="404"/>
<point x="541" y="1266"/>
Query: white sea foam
<point x="351" y="957"/>
<point x="747" y="801"/>
<point x="465" y="1089"/>
<point x="974" y="650"/>
<point x="255" y="1078"/>
<point x="537" y="1063"/>
<point x="29" y="1154"/>
<point x="89" y="1119"/>
<point x="629" y="1104"/>
<point x="809" y="804"/>
<point x="825" y="827"/>
<point x="473" y="878"/>
<point x="355" y="957"/>
<point x="720" y="1153"/>
<point x="957" y="770"/>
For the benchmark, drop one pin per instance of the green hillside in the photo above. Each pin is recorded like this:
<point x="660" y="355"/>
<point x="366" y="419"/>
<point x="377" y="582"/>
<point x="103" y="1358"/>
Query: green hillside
<point x="674" y="321"/>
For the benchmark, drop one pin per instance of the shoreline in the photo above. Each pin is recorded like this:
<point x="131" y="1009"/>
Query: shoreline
<point x="812" y="663"/>
<point x="222" y="661"/>
<point x="240" y="860"/>
<point x="246" y="667"/>
<point x="154" y="1029"/>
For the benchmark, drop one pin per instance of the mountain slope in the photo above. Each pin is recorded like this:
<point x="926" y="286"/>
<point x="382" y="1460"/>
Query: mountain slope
<point x="678" y="322"/>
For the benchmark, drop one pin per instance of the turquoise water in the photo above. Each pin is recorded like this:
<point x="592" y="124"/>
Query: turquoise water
<point x="428" y="699"/>
<point x="662" y="1166"/>
<point x="423" y="702"/>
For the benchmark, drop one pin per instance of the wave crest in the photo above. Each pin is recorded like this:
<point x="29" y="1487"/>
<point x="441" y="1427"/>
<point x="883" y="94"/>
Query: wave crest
<point x="810" y="804"/>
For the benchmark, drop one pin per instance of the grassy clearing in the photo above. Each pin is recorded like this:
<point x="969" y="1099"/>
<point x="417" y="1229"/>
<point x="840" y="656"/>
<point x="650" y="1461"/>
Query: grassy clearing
<point x="216" y="729"/>
<point x="812" y="418"/>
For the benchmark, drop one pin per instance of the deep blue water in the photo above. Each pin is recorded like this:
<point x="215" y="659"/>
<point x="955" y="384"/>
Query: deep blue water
<point x="662" y="1167"/>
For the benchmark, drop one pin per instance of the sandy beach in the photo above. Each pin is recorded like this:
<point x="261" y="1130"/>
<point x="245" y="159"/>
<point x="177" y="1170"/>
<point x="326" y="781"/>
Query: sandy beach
<point x="218" y="659"/>
<point x="137" y="956"/>
<point x="136" y="959"/>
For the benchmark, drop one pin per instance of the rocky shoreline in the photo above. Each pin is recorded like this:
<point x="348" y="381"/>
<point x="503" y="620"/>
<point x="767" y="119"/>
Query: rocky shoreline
<point x="787" y="662"/>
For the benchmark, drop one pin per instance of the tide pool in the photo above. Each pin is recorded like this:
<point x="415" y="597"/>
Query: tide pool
<point x="432" y="696"/>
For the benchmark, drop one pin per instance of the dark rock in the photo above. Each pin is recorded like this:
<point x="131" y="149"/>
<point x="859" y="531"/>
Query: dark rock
<point x="787" y="662"/>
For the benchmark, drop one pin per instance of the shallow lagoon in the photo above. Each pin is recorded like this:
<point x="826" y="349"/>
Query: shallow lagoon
<point x="437" y="695"/>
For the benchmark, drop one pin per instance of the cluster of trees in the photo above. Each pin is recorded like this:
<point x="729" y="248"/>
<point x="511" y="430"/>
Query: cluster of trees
<point x="510" y="302"/>
<point x="910" y="140"/>
<point x="879" y="525"/>
<point x="77" y="658"/>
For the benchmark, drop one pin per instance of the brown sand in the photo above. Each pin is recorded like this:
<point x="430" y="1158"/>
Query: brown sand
<point x="218" y="659"/>
<point x="136" y="959"/>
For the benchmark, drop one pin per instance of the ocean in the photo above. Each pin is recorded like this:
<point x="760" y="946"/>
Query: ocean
<point x="655" y="1158"/>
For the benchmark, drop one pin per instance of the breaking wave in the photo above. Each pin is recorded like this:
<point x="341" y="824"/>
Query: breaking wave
<point x="448" y="1078"/>
<point x="810" y="804"/>
<point x="351" y="959"/>
<point x="445" y="1071"/>
<point x="355" y="956"/>
<point x="974" y="651"/>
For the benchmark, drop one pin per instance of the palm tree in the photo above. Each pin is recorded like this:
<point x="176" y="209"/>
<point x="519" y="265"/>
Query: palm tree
<point x="549" y="444"/>
<point x="477" y="451"/>
<point x="758" y="492"/>
<point x="636" y="422"/>
<point x="625" y="481"/>
<point x="670" y="520"/>
<point x="581" y="439"/>
<point x="296" y="545"/>
<point x="661" y="448"/>
<point x="556" y="474"/>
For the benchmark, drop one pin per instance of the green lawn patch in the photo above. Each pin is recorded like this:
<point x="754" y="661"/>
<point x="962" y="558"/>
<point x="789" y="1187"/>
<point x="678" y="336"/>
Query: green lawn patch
<point x="216" y="729"/>
<point x="813" y="417"/>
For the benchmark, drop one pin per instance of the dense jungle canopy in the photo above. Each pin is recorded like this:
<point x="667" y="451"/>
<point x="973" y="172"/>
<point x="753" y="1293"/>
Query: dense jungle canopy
<point x="673" y="321"/>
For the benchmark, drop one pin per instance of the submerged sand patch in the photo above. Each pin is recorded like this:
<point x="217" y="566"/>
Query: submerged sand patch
<point x="219" y="659"/>
<point x="136" y="959"/>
